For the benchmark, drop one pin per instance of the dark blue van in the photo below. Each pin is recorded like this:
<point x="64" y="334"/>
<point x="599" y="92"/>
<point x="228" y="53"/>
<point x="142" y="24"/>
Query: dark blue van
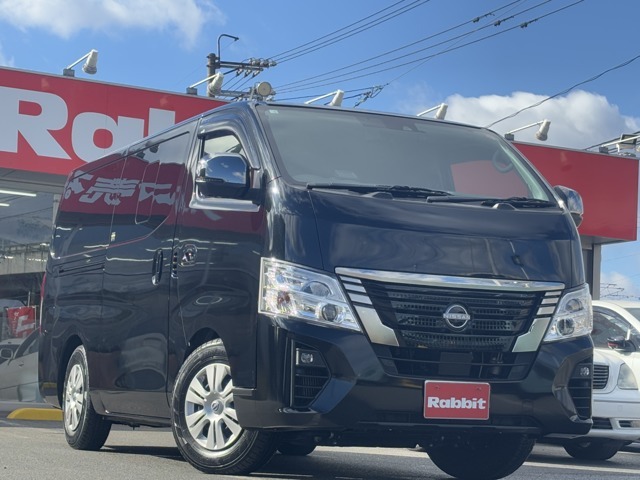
<point x="270" y="277"/>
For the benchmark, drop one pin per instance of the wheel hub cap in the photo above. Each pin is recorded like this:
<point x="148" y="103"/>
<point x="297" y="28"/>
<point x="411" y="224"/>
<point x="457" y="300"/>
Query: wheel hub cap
<point x="209" y="410"/>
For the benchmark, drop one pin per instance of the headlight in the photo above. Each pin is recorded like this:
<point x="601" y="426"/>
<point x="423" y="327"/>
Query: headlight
<point x="626" y="378"/>
<point x="286" y="289"/>
<point x="573" y="316"/>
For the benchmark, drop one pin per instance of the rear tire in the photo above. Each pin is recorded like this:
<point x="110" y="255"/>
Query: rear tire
<point x="84" y="429"/>
<point x="599" y="450"/>
<point x="482" y="457"/>
<point x="204" y="421"/>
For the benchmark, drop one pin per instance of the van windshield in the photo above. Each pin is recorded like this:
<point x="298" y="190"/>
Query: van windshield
<point x="324" y="148"/>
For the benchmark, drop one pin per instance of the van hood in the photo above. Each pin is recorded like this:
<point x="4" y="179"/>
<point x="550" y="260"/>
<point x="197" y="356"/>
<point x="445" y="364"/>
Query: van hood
<point x="406" y="235"/>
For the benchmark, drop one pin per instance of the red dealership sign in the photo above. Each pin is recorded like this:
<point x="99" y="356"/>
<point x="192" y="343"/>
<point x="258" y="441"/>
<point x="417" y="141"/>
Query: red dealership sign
<point x="21" y="321"/>
<point x="608" y="185"/>
<point x="52" y="123"/>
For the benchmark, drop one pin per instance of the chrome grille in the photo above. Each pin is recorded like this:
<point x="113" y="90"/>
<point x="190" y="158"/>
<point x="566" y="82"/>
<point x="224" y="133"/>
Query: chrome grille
<point x="600" y="376"/>
<point x="405" y="313"/>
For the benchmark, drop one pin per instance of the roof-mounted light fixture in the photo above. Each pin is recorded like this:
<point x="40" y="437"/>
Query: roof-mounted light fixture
<point x="625" y="143"/>
<point x="89" y="67"/>
<point x="440" y="113"/>
<point x="336" y="101"/>
<point x="214" y="86"/>
<point x="261" y="90"/>
<point x="541" y="134"/>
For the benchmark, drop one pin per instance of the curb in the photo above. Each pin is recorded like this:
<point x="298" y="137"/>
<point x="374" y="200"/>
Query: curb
<point x="48" y="414"/>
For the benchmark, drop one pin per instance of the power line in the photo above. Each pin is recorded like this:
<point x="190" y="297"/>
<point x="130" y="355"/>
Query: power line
<point x="595" y="77"/>
<point x="522" y="25"/>
<point x="318" y="94"/>
<point x="389" y="52"/>
<point x="495" y="24"/>
<point x="289" y="55"/>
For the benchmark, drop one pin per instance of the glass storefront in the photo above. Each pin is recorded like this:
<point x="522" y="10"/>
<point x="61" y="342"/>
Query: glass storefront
<point x="26" y="219"/>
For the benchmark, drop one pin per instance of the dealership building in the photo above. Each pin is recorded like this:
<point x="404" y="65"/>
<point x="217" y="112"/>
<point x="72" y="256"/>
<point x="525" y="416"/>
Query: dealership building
<point x="51" y="124"/>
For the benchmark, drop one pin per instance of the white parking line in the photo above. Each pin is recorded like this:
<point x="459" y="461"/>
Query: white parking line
<point x="582" y="467"/>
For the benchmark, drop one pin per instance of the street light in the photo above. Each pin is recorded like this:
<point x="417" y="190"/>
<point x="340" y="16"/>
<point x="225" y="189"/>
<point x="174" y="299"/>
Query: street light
<point x="89" y="67"/>
<point x="336" y="101"/>
<point x="441" y="111"/>
<point x="213" y="87"/>
<point x="626" y="142"/>
<point x="541" y="134"/>
<point x="234" y="38"/>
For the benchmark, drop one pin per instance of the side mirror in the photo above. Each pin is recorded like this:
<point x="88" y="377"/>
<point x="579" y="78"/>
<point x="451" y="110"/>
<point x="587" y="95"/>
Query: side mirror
<point x="572" y="201"/>
<point x="6" y="354"/>
<point x="224" y="175"/>
<point x="620" y="344"/>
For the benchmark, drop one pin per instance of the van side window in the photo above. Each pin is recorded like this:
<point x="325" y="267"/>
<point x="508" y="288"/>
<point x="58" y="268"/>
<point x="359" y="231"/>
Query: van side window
<point x="222" y="142"/>
<point x="148" y="188"/>
<point x="86" y="208"/>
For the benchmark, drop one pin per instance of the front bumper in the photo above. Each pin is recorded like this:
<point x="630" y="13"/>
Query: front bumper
<point x="616" y="419"/>
<point x="357" y="398"/>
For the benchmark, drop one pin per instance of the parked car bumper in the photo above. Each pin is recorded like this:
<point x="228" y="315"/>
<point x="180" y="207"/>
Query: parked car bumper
<point x="619" y="419"/>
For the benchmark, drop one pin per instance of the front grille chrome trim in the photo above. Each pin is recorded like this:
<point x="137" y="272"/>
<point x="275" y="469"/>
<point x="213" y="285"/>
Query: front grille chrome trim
<point x="376" y="330"/>
<point x="449" y="281"/>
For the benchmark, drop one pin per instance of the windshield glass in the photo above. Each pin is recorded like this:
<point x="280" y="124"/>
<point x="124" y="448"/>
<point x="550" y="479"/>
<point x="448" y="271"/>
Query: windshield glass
<point x="635" y="312"/>
<point x="336" y="147"/>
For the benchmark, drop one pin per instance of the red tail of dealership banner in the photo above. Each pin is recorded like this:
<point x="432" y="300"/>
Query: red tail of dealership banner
<point x="52" y="123"/>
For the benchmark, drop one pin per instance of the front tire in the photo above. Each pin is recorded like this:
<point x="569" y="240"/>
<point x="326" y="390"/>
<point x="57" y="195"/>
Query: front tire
<point x="594" y="449"/>
<point x="482" y="457"/>
<point x="84" y="429"/>
<point x="204" y="420"/>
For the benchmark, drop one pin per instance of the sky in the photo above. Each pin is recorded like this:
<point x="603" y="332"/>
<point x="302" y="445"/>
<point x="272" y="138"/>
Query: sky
<point x="498" y="63"/>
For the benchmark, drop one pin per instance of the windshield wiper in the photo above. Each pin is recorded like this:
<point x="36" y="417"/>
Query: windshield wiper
<point x="395" y="190"/>
<point x="518" y="202"/>
<point x="419" y="191"/>
<point x="521" y="202"/>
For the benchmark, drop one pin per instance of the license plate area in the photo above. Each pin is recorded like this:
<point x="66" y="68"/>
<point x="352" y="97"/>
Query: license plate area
<point x="456" y="400"/>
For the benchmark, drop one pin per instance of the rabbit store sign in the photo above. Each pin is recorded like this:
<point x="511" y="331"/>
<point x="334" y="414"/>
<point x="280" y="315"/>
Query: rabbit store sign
<point x="52" y="124"/>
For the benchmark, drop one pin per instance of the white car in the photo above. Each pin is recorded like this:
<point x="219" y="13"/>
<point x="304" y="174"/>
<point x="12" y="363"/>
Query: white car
<point x="19" y="375"/>
<point x="616" y="325"/>
<point x="616" y="380"/>
<point x="8" y="348"/>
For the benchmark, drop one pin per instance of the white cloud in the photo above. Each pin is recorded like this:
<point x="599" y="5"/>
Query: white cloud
<point x="65" y="18"/>
<point x="4" y="60"/>
<point x="578" y="120"/>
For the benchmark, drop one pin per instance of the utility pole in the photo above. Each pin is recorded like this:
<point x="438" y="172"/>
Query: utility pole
<point x="214" y="63"/>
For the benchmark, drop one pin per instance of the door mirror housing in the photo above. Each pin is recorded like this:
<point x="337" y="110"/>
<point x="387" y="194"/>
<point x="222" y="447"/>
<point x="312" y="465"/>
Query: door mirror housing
<point x="572" y="201"/>
<point x="223" y="175"/>
<point x="6" y="354"/>
<point x="621" y="344"/>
